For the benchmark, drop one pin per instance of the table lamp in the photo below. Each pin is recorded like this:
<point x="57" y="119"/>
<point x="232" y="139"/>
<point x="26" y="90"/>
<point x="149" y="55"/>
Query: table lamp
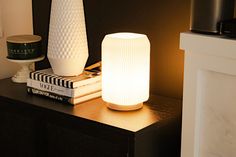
<point x="125" y="70"/>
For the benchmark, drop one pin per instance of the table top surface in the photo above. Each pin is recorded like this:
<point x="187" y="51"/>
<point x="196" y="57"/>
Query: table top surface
<point x="156" y="110"/>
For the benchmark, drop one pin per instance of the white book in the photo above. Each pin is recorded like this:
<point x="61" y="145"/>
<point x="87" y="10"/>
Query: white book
<point x="90" y="75"/>
<point x="85" y="97"/>
<point x="70" y="92"/>
<point x="64" y="99"/>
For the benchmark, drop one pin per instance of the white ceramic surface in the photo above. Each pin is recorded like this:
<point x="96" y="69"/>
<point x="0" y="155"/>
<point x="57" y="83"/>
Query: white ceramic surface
<point x="27" y="66"/>
<point x="67" y="45"/>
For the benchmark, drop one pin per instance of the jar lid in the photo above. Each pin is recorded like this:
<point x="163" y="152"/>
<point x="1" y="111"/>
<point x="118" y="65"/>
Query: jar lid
<point x="24" y="39"/>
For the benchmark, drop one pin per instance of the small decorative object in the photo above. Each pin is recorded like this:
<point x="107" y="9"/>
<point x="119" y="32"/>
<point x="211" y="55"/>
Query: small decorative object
<point x="21" y="47"/>
<point x="125" y="70"/>
<point x="26" y="67"/>
<point x="206" y="15"/>
<point x="24" y="50"/>
<point x="67" y="45"/>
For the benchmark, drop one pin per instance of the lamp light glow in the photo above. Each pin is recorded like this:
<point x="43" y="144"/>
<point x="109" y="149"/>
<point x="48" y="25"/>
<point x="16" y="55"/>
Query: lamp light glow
<point x="125" y="70"/>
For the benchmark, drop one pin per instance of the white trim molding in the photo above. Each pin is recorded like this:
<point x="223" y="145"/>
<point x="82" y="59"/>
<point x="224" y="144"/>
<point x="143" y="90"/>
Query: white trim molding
<point x="209" y="99"/>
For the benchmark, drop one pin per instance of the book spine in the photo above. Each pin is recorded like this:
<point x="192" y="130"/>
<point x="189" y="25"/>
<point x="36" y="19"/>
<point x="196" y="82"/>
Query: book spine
<point x="50" y="88"/>
<point x="83" y="90"/>
<point x="61" y="81"/>
<point x="64" y="99"/>
<point x="52" y="79"/>
<point x="60" y="98"/>
<point x="92" y="73"/>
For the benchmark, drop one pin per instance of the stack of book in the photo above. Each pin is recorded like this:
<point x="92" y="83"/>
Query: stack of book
<point x="72" y="90"/>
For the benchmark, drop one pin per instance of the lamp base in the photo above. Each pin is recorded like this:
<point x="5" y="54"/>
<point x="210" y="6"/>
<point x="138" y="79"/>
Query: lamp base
<point x="124" y="107"/>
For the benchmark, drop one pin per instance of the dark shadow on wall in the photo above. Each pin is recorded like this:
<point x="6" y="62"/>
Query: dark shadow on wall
<point x="160" y="20"/>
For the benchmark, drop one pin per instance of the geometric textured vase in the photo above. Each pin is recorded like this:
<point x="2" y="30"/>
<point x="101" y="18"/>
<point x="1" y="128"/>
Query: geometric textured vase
<point x="125" y="70"/>
<point x="67" y="43"/>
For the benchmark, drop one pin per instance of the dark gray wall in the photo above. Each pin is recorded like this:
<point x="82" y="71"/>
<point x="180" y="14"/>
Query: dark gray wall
<point x="160" y="20"/>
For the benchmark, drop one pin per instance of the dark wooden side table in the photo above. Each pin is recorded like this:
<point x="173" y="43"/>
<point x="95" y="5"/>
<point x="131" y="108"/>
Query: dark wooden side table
<point x="34" y="126"/>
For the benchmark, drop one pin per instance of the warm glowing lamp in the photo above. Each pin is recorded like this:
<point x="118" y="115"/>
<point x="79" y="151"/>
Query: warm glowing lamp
<point x="125" y="70"/>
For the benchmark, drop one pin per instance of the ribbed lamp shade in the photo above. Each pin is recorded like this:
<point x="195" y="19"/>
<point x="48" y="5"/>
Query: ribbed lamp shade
<point x="125" y="70"/>
<point x="67" y="44"/>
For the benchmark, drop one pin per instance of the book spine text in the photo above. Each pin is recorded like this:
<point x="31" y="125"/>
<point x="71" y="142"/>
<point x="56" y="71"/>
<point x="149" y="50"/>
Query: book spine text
<point x="75" y="92"/>
<point x="61" y="98"/>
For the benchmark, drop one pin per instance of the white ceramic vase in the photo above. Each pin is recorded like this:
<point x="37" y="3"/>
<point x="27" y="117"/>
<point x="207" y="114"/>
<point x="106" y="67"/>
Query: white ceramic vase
<point x="67" y="43"/>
